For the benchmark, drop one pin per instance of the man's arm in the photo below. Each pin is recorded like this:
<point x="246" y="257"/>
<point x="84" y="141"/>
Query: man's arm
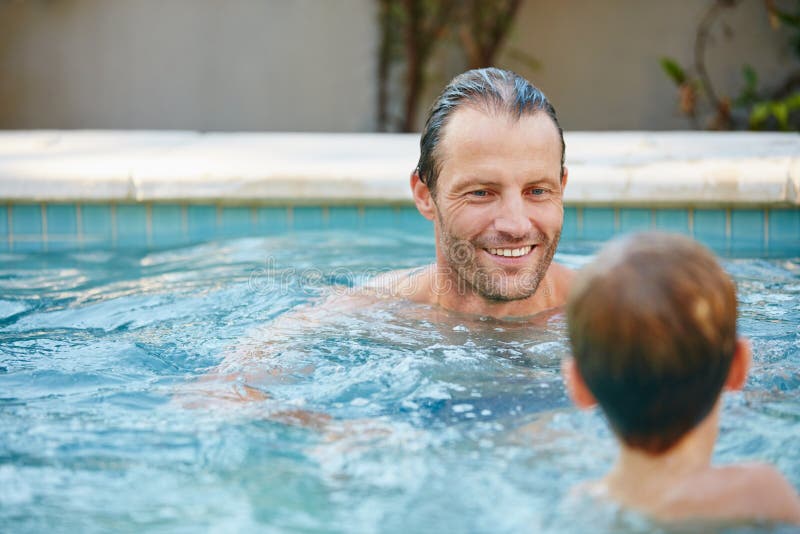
<point x="248" y="368"/>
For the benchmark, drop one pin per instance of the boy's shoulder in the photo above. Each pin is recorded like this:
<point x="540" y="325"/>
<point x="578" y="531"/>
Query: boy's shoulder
<point x="742" y="492"/>
<point x="735" y="492"/>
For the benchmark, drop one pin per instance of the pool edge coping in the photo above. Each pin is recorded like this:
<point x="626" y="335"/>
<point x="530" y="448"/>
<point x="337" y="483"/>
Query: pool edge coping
<point x="625" y="169"/>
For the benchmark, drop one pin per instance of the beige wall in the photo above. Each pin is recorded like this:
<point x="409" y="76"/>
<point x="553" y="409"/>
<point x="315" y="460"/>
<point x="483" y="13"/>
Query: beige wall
<point x="309" y="65"/>
<point x="188" y="64"/>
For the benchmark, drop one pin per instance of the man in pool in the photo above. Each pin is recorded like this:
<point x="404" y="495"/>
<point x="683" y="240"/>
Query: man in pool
<point x="652" y="323"/>
<point x="491" y="177"/>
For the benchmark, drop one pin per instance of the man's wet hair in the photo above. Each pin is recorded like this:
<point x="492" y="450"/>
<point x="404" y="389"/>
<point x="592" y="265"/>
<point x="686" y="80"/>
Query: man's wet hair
<point x="490" y="89"/>
<point x="652" y="324"/>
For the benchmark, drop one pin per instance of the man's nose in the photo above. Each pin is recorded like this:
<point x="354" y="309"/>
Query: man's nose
<point x="513" y="218"/>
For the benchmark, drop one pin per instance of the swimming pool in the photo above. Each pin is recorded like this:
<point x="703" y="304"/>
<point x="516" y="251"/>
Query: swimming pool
<point x="132" y="263"/>
<point x="440" y="422"/>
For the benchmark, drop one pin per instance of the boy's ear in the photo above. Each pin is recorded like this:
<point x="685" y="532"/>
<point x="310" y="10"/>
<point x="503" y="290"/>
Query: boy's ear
<point x="422" y="196"/>
<point x="742" y="355"/>
<point x="576" y="387"/>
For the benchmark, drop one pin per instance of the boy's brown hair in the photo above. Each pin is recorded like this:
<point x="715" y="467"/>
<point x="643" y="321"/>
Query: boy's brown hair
<point x="652" y="323"/>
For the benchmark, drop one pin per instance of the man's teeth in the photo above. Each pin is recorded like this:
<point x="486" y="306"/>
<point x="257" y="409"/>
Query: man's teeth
<point x="511" y="252"/>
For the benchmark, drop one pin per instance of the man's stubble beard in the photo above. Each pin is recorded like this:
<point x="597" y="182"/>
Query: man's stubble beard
<point x="494" y="284"/>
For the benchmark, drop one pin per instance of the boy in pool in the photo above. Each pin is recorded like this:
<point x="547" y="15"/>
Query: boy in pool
<point x="652" y="324"/>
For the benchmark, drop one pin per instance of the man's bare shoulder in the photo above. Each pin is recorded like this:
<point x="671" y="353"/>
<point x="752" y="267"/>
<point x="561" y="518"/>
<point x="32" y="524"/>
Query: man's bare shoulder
<point x="561" y="273"/>
<point x="560" y="280"/>
<point x="412" y="284"/>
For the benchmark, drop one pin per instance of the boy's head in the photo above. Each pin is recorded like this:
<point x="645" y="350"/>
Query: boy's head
<point x="652" y="323"/>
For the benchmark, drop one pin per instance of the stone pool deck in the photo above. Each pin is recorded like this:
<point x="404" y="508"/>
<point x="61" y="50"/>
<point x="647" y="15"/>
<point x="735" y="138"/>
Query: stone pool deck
<point x="687" y="169"/>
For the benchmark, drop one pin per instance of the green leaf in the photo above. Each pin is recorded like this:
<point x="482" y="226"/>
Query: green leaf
<point x="787" y="18"/>
<point x="748" y="95"/>
<point x="793" y="101"/>
<point x="750" y="78"/>
<point x="759" y="114"/>
<point x="673" y="70"/>
<point x="781" y="112"/>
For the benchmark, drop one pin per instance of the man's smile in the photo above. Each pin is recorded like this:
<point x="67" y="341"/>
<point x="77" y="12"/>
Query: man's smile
<point x="510" y="252"/>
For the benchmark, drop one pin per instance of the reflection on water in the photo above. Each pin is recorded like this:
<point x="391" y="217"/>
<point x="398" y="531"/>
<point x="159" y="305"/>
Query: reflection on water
<point x="401" y="417"/>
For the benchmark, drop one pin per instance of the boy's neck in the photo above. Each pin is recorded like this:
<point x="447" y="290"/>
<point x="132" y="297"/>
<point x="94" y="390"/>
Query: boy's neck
<point x="641" y="479"/>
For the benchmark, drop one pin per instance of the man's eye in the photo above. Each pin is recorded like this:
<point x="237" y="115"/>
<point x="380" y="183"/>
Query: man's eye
<point x="479" y="193"/>
<point x="538" y="191"/>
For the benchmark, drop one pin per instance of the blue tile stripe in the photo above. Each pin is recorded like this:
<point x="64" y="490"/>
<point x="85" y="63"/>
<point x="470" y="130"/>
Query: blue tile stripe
<point x="635" y="219"/>
<point x="673" y="220"/>
<point x="61" y="226"/>
<point x="236" y="221"/>
<point x="201" y="221"/>
<point x="599" y="224"/>
<point x="748" y="229"/>
<point x="569" y="230"/>
<point x="95" y="223"/>
<point x="131" y="224"/>
<point x="55" y="226"/>
<point x="166" y="224"/>
<point x="26" y="228"/>
<point x="5" y="223"/>
<point x="784" y="227"/>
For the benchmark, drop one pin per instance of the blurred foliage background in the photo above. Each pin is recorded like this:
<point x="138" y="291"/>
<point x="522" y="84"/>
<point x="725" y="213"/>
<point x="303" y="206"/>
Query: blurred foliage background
<point x="411" y="30"/>
<point x="756" y="107"/>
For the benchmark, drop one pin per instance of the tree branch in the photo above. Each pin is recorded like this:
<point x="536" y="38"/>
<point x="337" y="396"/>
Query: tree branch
<point x="700" y="42"/>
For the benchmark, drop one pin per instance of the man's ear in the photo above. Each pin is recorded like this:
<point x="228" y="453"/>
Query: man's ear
<point x="576" y="387"/>
<point x="422" y="196"/>
<point x="564" y="179"/>
<point x="742" y="355"/>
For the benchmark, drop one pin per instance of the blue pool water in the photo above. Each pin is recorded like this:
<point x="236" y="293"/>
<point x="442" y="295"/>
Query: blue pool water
<point x="410" y="419"/>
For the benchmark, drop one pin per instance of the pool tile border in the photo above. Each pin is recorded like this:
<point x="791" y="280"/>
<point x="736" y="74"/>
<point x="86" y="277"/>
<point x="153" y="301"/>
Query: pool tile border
<point x="57" y="226"/>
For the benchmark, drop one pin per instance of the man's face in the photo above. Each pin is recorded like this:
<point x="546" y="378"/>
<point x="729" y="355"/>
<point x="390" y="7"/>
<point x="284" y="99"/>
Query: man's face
<point x="498" y="201"/>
